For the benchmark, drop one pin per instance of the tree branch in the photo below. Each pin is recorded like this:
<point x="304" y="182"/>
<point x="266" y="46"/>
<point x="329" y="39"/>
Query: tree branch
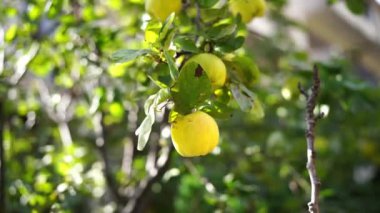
<point x="22" y="63"/>
<point x="156" y="167"/>
<point x="311" y="120"/>
<point x="138" y="194"/>
<point x="2" y="162"/>
<point x="130" y="145"/>
<point x="2" y="117"/>
<point x="100" y="144"/>
<point x="64" y="132"/>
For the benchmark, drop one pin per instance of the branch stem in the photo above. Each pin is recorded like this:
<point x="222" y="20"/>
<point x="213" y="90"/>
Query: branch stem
<point x="100" y="143"/>
<point x="311" y="121"/>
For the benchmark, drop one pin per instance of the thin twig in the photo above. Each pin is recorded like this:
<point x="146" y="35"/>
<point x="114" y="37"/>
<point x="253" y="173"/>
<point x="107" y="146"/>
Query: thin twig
<point x="311" y="120"/>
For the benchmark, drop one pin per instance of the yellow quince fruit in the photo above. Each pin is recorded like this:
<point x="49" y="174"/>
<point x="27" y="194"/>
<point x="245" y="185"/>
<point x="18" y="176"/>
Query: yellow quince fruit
<point x="161" y="9"/>
<point x="195" y="134"/>
<point x="248" y="9"/>
<point x="213" y="66"/>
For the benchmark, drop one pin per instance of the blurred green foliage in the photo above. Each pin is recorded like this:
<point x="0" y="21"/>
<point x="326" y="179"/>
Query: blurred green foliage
<point x="69" y="114"/>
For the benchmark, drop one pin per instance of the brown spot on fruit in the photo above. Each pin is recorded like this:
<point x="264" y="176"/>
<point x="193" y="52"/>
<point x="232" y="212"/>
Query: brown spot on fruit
<point x="198" y="71"/>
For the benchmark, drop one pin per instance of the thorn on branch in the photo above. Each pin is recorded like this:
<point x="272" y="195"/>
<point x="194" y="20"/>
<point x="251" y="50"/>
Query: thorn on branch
<point x="302" y="90"/>
<point x="320" y="116"/>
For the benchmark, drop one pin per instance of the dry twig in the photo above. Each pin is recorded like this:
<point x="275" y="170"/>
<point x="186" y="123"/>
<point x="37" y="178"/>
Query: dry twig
<point x="311" y="120"/>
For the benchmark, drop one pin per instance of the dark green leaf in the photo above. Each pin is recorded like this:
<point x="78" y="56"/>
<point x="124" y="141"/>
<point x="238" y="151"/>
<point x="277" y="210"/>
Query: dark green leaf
<point x="192" y="88"/>
<point x="161" y="75"/>
<point x="221" y="31"/>
<point x="356" y="6"/>
<point x="230" y="45"/>
<point x="186" y="44"/>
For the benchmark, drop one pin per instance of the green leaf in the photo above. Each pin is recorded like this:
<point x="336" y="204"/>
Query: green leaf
<point x="167" y="32"/>
<point x="41" y="65"/>
<point x="127" y="55"/>
<point x="172" y="116"/>
<point x="157" y="82"/>
<point x="221" y="31"/>
<point x="244" y="69"/>
<point x="217" y="109"/>
<point x="161" y="75"/>
<point x="172" y="67"/>
<point x="257" y="112"/>
<point x="152" y="31"/>
<point x="162" y="96"/>
<point x="222" y="95"/>
<point x="331" y="2"/>
<point x="192" y="88"/>
<point x="356" y="6"/>
<point x="11" y="33"/>
<point x="231" y="44"/>
<point x="166" y="26"/>
<point x="168" y="39"/>
<point x="186" y="44"/>
<point x="213" y="14"/>
<point x="207" y="3"/>
<point x="116" y="109"/>
<point x="243" y="96"/>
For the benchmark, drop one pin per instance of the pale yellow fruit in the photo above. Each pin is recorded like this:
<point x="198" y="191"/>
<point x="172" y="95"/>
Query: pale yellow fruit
<point x="161" y="9"/>
<point x="248" y="9"/>
<point x="213" y="66"/>
<point x="195" y="134"/>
